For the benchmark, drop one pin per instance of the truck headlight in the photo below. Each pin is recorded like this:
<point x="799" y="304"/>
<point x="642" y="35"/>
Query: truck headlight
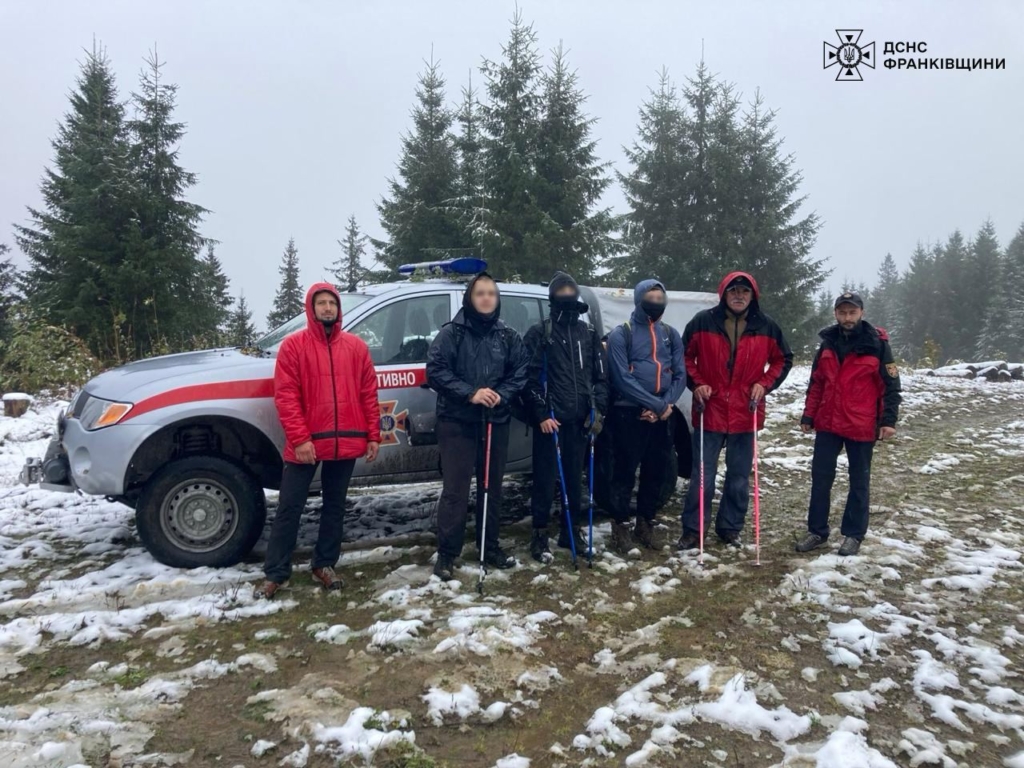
<point x="99" y="413"/>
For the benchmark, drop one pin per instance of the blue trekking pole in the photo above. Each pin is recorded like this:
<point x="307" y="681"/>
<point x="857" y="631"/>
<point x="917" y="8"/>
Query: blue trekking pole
<point x="590" y="489"/>
<point x="565" y="495"/>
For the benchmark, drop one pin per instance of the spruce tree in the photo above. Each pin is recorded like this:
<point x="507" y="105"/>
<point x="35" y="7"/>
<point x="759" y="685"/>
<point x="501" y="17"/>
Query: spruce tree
<point x="419" y="214"/>
<point x="652" y="231"/>
<point x="980" y="282"/>
<point x="290" y="298"/>
<point x="771" y="240"/>
<point x="918" y="297"/>
<point x="240" y="331"/>
<point x="570" y="180"/>
<point x="348" y="270"/>
<point x="76" y="243"/>
<point x="162" y="272"/>
<point x="215" y="301"/>
<point x="951" y="292"/>
<point x="8" y="292"/>
<point x="1001" y="336"/>
<point x="510" y="119"/>
<point x="468" y="145"/>
<point x="883" y="309"/>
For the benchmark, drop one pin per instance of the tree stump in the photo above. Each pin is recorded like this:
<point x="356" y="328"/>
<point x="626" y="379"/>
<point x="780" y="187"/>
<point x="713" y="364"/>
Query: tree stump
<point x="15" y="404"/>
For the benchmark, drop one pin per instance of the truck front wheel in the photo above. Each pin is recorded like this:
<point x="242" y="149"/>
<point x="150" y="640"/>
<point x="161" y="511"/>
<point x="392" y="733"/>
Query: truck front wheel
<point x="200" y="511"/>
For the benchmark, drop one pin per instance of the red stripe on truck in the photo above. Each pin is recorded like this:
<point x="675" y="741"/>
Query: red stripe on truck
<point x="256" y="388"/>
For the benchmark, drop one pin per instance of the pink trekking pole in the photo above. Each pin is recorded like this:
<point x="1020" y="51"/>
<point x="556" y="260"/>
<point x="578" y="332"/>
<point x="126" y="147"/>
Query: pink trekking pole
<point x="757" y="493"/>
<point x="700" y="557"/>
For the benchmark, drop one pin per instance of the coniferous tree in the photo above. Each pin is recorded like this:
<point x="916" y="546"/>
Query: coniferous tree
<point x="980" y="283"/>
<point x="510" y="119"/>
<point x="419" y="214"/>
<point x="570" y="179"/>
<point x="76" y="243"/>
<point x="652" y="231"/>
<point x="918" y="295"/>
<point x="1001" y="336"/>
<point x="8" y="290"/>
<point x="948" y="329"/>
<point x="469" y="187"/>
<point x="883" y="310"/>
<point x="290" y="298"/>
<point x="162" y="271"/>
<point x="241" y="332"/>
<point x="216" y="300"/>
<point x="348" y="270"/>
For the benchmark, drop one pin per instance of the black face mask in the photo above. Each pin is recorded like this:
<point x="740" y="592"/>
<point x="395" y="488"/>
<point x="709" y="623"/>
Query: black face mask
<point x="653" y="309"/>
<point x="564" y="304"/>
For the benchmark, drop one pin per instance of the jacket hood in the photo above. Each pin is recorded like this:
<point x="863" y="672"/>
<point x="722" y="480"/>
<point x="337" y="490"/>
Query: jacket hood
<point x="643" y="287"/>
<point x="473" y="318"/>
<point x="732" y="276"/>
<point x="312" y="324"/>
<point x="565" y="307"/>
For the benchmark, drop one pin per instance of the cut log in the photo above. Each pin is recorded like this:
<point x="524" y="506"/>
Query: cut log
<point x="989" y="374"/>
<point x="1004" y="376"/>
<point x="16" y="404"/>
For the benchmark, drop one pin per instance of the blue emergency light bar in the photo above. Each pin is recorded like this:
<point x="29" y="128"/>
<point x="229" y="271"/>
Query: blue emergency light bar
<point x="467" y="265"/>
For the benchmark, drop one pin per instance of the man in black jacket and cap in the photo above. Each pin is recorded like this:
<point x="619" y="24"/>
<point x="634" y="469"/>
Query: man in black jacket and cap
<point x="566" y="393"/>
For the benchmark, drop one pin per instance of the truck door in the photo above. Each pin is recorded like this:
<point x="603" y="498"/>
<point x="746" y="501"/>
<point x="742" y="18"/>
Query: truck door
<point x="399" y="334"/>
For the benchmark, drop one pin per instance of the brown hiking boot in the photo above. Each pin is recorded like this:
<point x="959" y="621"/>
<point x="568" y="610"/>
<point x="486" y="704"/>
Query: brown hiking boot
<point x="621" y="540"/>
<point x="266" y="590"/>
<point x="644" y="533"/>
<point x="327" y="578"/>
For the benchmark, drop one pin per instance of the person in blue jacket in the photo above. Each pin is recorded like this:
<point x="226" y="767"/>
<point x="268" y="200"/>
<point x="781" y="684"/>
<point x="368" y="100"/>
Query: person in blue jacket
<point x="648" y="375"/>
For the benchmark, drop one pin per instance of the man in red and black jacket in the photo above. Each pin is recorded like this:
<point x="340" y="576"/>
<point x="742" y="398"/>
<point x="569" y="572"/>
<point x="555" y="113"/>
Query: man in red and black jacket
<point x="325" y="390"/>
<point x="852" y="401"/>
<point x="735" y="355"/>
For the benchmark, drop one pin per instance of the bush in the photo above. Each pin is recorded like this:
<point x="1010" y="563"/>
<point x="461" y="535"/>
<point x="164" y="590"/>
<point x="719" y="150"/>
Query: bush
<point x="36" y="357"/>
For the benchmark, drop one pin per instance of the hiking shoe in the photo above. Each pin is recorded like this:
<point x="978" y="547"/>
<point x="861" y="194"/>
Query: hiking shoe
<point x="850" y="546"/>
<point x="579" y="539"/>
<point x="266" y="590"/>
<point x="444" y="568"/>
<point x="539" y="546"/>
<point x="622" y="539"/>
<point x="643" y="533"/>
<point x="688" y="541"/>
<point x="498" y="558"/>
<point x="731" y="539"/>
<point x="809" y="542"/>
<point x="327" y="578"/>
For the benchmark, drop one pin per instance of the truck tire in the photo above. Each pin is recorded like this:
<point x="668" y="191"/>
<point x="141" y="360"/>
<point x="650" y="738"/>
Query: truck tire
<point x="201" y="511"/>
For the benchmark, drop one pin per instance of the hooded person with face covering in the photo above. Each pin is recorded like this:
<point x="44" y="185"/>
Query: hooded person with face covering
<point x="645" y="359"/>
<point x="325" y="390"/>
<point x="477" y="366"/>
<point x="566" y="380"/>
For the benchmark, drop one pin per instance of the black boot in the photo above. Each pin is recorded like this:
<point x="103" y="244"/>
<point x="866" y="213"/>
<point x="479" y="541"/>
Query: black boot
<point x="539" y="546"/>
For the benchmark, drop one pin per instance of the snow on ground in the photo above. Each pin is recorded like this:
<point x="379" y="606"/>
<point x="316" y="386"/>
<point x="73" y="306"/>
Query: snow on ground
<point x="924" y="628"/>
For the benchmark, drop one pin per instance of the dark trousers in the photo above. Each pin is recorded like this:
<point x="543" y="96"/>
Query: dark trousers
<point x="462" y="447"/>
<point x="827" y="447"/>
<point x="638" y="443"/>
<point x="574" y="444"/>
<point x="295" y="480"/>
<point x="739" y="460"/>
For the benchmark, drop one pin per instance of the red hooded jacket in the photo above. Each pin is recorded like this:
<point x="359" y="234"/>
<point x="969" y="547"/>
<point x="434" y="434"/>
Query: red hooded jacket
<point x="761" y="357"/>
<point x="325" y="389"/>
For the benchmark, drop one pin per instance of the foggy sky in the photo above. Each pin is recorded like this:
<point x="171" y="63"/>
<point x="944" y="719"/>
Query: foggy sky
<point x="295" y="110"/>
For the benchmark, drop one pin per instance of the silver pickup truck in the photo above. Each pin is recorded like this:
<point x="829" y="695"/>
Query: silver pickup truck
<point x="190" y="441"/>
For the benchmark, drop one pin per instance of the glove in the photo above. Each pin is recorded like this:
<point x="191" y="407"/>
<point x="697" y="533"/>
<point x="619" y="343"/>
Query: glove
<point x="594" y="427"/>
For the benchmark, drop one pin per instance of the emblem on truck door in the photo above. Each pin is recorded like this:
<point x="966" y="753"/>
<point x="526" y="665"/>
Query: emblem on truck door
<point x="391" y="423"/>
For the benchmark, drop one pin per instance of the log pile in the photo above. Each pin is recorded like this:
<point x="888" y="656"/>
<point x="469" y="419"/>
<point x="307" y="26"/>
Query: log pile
<point x="992" y="370"/>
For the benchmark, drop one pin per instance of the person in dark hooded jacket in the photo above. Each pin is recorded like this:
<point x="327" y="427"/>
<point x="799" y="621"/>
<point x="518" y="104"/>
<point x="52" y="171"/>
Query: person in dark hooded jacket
<point x="645" y="359"/>
<point x="566" y="392"/>
<point x="735" y="355"/>
<point x="477" y="366"/>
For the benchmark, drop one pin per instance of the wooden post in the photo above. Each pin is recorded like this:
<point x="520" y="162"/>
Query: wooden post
<point x="15" y="404"/>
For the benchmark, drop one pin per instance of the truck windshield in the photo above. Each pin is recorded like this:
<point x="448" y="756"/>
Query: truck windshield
<point x="273" y="340"/>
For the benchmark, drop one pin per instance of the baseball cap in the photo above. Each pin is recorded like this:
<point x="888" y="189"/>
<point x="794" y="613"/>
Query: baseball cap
<point x="849" y="297"/>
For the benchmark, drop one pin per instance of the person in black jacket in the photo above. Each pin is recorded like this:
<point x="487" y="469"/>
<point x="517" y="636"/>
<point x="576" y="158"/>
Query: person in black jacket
<point x="477" y="366"/>
<point x="566" y="381"/>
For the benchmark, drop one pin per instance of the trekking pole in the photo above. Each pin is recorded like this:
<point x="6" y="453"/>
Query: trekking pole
<point x="757" y="493"/>
<point x="590" y="490"/>
<point x="700" y="557"/>
<point x="487" y="487"/>
<point x="565" y="496"/>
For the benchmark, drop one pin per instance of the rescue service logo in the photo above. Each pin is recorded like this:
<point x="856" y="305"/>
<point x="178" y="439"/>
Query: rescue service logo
<point x="391" y="423"/>
<point x="849" y="55"/>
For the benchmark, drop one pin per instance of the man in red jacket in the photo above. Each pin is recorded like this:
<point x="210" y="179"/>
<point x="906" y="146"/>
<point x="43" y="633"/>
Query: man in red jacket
<point x="853" y="399"/>
<point x="735" y="355"/>
<point x="325" y="390"/>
